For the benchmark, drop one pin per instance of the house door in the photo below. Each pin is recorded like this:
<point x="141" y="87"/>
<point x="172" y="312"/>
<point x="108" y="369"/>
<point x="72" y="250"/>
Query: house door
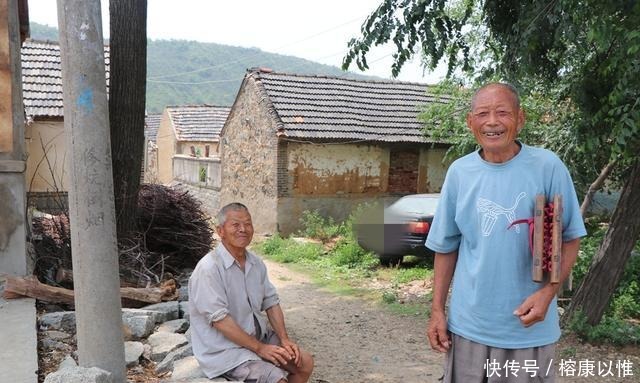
<point x="403" y="171"/>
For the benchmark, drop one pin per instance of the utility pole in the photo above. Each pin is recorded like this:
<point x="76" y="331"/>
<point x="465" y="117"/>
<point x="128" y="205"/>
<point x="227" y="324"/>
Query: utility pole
<point x="91" y="206"/>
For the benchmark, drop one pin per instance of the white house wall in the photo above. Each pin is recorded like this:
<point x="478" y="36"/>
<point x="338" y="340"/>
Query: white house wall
<point x="46" y="174"/>
<point x="326" y="169"/>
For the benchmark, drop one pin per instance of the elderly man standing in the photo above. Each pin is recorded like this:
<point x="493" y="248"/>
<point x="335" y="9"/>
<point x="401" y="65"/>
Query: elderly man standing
<point x="501" y="325"/>
<point x="228" y="291"/>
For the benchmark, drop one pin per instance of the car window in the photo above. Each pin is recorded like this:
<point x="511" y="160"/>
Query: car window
<point x="416" y="205"/>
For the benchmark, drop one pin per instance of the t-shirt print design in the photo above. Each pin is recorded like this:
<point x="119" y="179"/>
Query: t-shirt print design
<point x="490" y="211"/>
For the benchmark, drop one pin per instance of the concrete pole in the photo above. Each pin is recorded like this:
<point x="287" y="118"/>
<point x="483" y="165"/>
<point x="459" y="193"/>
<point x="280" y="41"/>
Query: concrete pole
<point x="91" y="206"/>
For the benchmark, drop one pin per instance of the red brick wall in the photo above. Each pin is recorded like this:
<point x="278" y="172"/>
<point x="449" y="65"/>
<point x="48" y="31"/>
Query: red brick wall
<point x="403" y="171"/>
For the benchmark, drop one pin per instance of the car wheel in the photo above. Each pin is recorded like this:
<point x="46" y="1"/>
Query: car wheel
<point x="387" y="260"/>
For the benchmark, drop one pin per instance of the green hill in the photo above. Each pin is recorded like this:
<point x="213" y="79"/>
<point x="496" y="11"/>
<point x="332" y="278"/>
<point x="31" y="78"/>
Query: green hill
<point x="181" y="72"/>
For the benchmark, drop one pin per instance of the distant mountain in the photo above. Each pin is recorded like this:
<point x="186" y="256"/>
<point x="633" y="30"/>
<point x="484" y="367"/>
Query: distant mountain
<point x="181" y="72"/>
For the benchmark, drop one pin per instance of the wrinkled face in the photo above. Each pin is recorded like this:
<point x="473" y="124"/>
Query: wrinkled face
<point x="495" y="120"/>
<point x="237" y="230"/>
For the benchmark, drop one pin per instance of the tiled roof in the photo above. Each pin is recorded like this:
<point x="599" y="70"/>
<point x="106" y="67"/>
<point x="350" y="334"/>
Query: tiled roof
<point x="198" y="122"/>
<point x="323" y="107"/>
<point x="151" y="125"/>
<point x="42" y="78"/>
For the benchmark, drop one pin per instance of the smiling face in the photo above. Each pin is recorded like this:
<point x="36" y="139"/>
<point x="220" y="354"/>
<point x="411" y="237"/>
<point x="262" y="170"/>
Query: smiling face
<point x="237" y="231"/>
<point x="495" y="120"/>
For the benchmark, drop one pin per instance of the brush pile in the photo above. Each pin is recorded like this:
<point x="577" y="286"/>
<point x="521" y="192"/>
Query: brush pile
<point x="173" y="234"/>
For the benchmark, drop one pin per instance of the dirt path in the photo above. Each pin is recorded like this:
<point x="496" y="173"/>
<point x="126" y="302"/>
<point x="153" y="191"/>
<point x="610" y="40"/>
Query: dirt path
<point x="351" y="340"/>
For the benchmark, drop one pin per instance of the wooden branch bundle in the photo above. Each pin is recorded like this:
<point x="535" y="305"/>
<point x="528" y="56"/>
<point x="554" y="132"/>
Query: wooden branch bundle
<point x="174" y="233"/>
<point x="173" y="224"/>
<point x="18" y="287"/>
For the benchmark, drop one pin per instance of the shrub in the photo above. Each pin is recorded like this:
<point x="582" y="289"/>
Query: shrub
<point x="272" y="245"/>
<point x="611" y="330"/>
<point x="625" y="302"/>
<point x="319" y="227"/>
<point x="349" y="253"/>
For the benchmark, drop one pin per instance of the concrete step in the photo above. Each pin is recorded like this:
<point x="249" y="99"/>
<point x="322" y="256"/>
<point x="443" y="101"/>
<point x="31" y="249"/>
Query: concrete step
<point x="19" y="340"/>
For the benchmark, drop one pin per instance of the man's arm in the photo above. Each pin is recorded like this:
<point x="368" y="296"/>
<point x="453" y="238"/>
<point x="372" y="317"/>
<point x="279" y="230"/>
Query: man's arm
<point x="443" y="267"/>
<point x="534" y="308"/>
<point x="230" y="329"/>
<point x="276" y="318"/>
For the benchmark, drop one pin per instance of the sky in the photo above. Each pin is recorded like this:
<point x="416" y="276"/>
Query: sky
<point x="314" y="30"/>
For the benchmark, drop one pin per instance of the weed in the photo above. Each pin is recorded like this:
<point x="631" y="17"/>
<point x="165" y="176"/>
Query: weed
<point x="609" y="330"/>
<point x="625" y="302"/>
<point x="389" y="297"/>
<point x="319" y="227"/>
<point x="569" y="352"/>
<point x="412" y="274"/>
<point x="288" y="251"/>
<point x="350" y="254"/>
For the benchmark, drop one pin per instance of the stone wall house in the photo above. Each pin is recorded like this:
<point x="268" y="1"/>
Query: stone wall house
<point x="298" y="142"/>
<point x="46" y="178"/>
<point x="187" y="141"/>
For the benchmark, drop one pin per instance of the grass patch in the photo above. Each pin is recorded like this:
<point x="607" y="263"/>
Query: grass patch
<point x="337" y="263"/>
<point x="412" y="274"/>
<point x="610" y="330"/>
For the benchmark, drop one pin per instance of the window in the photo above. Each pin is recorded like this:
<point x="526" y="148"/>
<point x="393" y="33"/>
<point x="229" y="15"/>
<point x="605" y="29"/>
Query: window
<point x="202" y="174"/>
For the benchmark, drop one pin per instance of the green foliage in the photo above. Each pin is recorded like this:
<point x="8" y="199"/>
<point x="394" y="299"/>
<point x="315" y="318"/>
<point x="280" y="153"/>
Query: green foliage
<point x="289" y="251"/>
<point x="626" y="299"/>
<point x="431" y="26"/>
<point x="202" y="174"/>
<point x="348" y="253"/>
<point x="411" y="274"/>
<point x="588" y="248"/>
<point x="627" y="302"/>
<point x="314" y="225"/>
<point x="272" y="245"/>
<point x="389" y="296"/>
<point x="610" y="330"/>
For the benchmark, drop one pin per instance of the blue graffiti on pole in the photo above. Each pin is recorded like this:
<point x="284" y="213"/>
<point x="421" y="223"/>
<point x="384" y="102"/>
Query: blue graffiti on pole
<point x="85" y="101"/>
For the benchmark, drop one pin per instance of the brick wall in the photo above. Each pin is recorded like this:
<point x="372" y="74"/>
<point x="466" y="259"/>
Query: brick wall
<point x="403" y="171"/>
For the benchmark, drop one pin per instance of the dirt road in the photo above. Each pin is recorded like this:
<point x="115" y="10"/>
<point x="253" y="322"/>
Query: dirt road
<point x="355" y="342"/>
<point x="351" y="340"/>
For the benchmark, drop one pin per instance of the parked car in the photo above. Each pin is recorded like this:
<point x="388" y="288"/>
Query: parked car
<point x="399" y="229"/>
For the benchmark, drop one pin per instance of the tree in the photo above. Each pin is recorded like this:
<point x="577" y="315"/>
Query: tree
<point x="582" y="55"/>
<point x="127" y="85"/>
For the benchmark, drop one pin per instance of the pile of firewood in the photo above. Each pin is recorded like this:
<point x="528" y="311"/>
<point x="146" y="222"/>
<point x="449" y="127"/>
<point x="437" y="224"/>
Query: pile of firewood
<point x="173" y="234"/>
<point x="173" y="224"/>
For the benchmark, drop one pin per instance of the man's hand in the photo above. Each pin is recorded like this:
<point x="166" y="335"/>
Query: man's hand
<point x="274" y="354"/>
<point x="437" y="332"/>
<point x="293" y="349"/>
<point x="534" y="308"/>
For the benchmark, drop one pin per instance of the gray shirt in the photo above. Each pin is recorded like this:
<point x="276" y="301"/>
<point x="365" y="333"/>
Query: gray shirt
<point x="219" y="287"/>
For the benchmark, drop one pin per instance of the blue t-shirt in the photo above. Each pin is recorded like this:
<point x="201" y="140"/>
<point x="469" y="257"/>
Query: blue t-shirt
<point x="492" y="277"/>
